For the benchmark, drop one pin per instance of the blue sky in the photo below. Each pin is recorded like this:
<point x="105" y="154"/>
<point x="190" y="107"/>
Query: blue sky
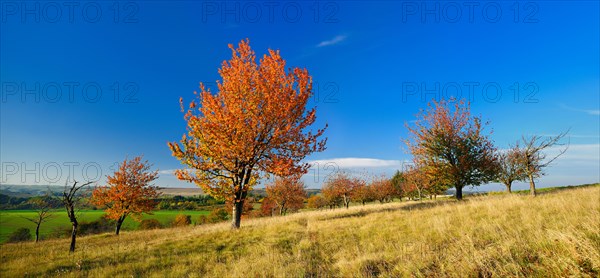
<point x="85" y="85"/>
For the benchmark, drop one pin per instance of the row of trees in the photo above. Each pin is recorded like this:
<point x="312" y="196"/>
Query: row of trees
<point x="526" y="160"/>
<point x="258" y="124"/>
<point x="342" y="188"/>
<point x="451" y="149"/>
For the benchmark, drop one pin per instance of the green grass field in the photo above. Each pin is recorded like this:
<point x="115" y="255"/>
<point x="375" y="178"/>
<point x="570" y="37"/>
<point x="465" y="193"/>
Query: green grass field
<point x="11" y="220"/>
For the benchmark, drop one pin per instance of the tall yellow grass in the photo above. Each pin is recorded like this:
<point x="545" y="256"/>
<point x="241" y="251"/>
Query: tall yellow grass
<point x="555" y="234"/>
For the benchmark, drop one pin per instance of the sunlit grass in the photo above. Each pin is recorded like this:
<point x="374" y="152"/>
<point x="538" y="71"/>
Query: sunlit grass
<point x="554" y="234"/>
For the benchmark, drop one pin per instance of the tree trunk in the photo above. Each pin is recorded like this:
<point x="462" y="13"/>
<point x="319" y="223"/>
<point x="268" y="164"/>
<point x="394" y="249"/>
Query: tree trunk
<point x="73" y="237"/>
<point x="281" y="211"/>
<point x="531" y="185"/>
<point x="37" y="231"/>
<point x="508" y="190"/>
<point x="459" y="194"/>
<point x="237" y="214"/>
<point x="119" y="223"/>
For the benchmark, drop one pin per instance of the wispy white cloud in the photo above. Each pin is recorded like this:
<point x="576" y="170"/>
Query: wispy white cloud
<point x="583" y="153"/>
<point x="171" y="171"/>
<point x="593" y="112"/>
<point x="167" y="172"/>
<point x="337" y="39"/>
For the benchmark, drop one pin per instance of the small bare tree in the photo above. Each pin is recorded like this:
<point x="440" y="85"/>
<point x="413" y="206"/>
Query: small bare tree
<point x="43" y="212"/>
<point x="70" y="199"/>
<point x="510" y="169"/>
<point x="533" y="158"/>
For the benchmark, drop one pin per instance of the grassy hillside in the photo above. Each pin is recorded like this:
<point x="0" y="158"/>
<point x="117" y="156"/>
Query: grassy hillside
<point x="554" y="234"/>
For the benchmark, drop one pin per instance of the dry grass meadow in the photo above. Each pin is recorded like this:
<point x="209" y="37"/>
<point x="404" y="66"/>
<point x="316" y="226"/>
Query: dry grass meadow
<point x="554" y="234"/>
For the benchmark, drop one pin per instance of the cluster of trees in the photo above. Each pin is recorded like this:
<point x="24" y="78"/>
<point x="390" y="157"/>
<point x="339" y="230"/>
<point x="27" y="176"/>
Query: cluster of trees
<point x="342" y="188"/>
<point x="526" y="160"/>
<point x="187" y="203"/>
<point x="451" y="149"/>
<point x="257" y="124"/>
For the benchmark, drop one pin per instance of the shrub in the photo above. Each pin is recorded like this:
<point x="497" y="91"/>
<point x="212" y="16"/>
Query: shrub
<point x="182" y="220"/>
<point x="149" y="224"/>
<point x="20" y="235"/>
<point x="218" y="215"/>
<point x="102" y="225"/>
<point x="316" y="202"/>
<point x="59" y="232"/>
<point x="202" y="219"/>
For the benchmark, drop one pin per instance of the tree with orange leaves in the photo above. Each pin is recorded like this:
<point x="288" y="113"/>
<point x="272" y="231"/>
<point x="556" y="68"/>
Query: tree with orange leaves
<point x="316" y="202"/>
<point x="256" y="124"/>
<point x="417" y="181"/>
<point x="129" y="191"/>
<point x="383" y="189"/>
<point x="267" y="207"/>
<point x="331" y="196"/>
<point x="342" y="186"/>
<point x="363" y="193"/>
<point x="451" y="145"/>
<point x="288" y="193"/>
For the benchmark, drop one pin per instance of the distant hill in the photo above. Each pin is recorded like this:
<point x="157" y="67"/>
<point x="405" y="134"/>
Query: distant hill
<point x="175" y="191"/>
<point x="23" y="191"/>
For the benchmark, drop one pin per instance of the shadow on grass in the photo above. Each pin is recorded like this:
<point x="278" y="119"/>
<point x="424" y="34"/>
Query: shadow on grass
<point x="409" y="207"/>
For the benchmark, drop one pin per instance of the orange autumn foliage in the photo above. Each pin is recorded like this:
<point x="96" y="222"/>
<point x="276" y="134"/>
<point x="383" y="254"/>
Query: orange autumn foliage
<point x="417" y="182"/>
<point x="316" y="202"/>
<point x="288" y="194"/>
<point x="256" y="123"/>
<point x="383" y="189"/>
<point x="341" y="187"/>
<point x="129" y="191"/>
<point x="267" y="207"/>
